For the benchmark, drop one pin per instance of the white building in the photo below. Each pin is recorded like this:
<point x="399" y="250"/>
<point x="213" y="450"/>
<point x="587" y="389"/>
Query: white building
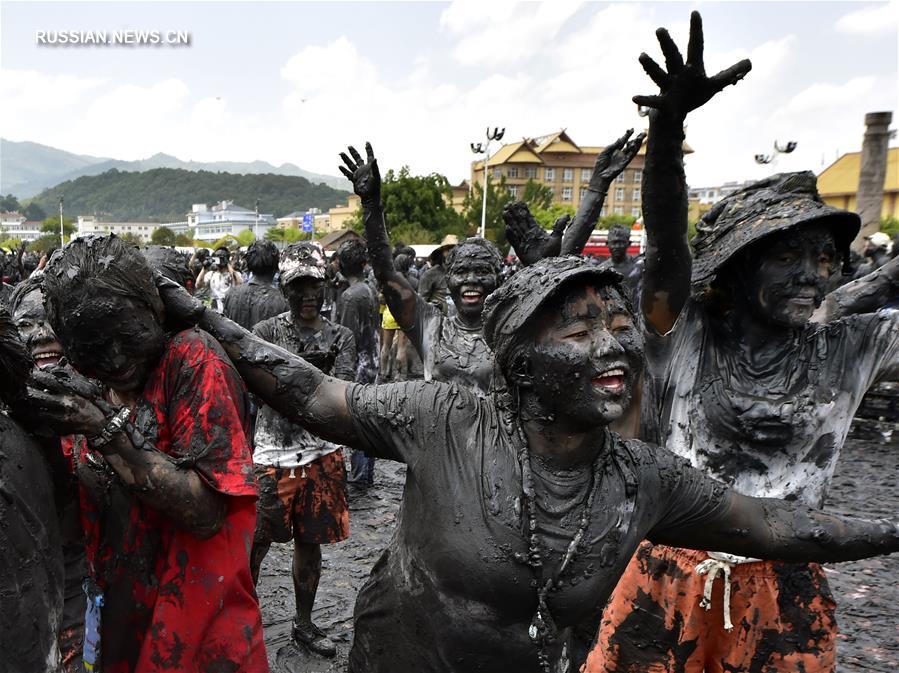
<point x="89" y="224"/>
<point x="709" y="195"/>
<point x="14" y="225"/>
<point x="210" y="224"/>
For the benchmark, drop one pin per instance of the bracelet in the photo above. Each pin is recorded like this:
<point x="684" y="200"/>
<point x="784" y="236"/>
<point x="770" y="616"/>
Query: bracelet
<point x="113" y="427"/>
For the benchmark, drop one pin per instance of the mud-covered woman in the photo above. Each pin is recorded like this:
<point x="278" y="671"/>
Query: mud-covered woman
<point x="745" y="388"/>
<point x="167" y="494"/>
<point x="521" y="509"/>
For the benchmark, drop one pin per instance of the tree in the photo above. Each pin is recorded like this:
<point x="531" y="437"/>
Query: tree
<point x="163" y="236"/>
<point x="185" y="240"/>
<point x="537" y="196"/>
<point x="34" y="213"/>
<point x="131" y="237"/>
<point x="546" y="217"/>
<point x="9" y="203"/>
<point x="275" y="234"/>
<point x="246" y="238"/>
<point x="497" y="198"/>
<point x="45" y="243"/>
<point x="50" y="227"/>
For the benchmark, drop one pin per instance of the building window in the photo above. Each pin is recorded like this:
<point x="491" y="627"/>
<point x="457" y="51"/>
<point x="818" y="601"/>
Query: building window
<point x="513" y="191"/>
<point x="549" y="174"/>
<point x="497" y="172"/>
<point x="512" y="172"/>
<point x="620" y="177"/>
<point x="638" y="175"/>
<point x="585" y="174"/>
<point x="567" y="174"/>
<point x="566" y="193"/>
<point x="619" y="210"/>
<point x="636" y="194"/>
<point x="530" y="172"/>
<point x="635" y="211"/>
<point x="619" y="193"/>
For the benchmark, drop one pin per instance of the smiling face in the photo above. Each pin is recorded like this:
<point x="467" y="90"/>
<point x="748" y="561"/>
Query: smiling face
<point x="471" y="277"/>
<point x="787" y="279"/>
<point x="306" y="296"/>
<point x="31" y="321"/>
<point x="586" y="356"/>
<point x="114" y="339"/>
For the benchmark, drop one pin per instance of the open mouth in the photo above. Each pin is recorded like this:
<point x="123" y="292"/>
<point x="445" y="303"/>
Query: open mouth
<point x="611" y="380"/>
<point x="47" y="358"/>
<point x="471" y="296"/>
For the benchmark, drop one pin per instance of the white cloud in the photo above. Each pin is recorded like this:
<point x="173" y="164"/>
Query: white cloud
<point x="882" y="17"/>
<point x="821" y="96"/>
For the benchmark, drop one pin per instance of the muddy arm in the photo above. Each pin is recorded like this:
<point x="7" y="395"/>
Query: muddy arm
<point x="775" y="529"/>
<point x="682" y="88"/>
<point x="366" y="178"/>
<point x="865" y="295"/>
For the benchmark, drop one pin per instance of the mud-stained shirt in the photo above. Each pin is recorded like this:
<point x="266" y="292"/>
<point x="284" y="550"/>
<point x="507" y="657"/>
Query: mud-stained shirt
<point x="771" y="429"/>
<point x="278" y="442"/>
<point x="31" y="562"/>
<point x="450" y="592"/>
<point x="451" y="351"/>
<point x="253" y="302"/>
<point x="357" y="310"/>
<point x="174" y="602"/>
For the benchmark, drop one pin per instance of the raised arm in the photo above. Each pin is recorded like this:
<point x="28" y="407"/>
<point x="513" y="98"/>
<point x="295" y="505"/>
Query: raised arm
<point x="609" y="164"/>
<point x="684" y="87"/>
<point x="284" y="381"/>
<point x="366" y="178"/>
<point x="787" y="531"/>
<point x="865" y="295"/>
<point x="530" y="242"/>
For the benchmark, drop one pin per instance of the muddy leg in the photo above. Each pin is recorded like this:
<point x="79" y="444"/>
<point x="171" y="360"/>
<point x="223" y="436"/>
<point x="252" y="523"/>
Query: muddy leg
<point x="307" y="570"/>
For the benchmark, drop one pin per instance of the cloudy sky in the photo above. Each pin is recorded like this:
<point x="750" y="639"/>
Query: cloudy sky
<point x="297" y="81"/>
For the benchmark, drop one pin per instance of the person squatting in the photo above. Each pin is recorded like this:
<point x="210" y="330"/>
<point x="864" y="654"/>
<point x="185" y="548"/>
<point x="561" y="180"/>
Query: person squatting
<point x="591" y="446"/>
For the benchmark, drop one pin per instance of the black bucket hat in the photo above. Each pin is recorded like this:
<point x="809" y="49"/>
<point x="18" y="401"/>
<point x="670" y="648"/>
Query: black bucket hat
<point x="507" y="309"/>
<point x="766" y="207"/>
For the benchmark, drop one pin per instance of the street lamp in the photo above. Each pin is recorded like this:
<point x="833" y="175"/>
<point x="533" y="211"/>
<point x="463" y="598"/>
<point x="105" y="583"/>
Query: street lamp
<point x="61" y="228"/>
<point x="786" y="148"/>
<point x="256" y="227"/>
<point x="496" y="134"/>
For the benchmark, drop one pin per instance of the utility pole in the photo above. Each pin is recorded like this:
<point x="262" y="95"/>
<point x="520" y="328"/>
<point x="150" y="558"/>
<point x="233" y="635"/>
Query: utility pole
<point x="61" y="228"/>
<point x="478" y="148"/>
<point x="256" y="227"/>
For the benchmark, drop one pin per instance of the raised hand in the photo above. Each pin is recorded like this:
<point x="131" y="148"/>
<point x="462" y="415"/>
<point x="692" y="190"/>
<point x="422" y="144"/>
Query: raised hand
<point x="614" y="159"/>
<point x="685" y="86"/>
<point x="364" y="175"/>
<point x="63" y="400"/>
<point x="530" y="241"/>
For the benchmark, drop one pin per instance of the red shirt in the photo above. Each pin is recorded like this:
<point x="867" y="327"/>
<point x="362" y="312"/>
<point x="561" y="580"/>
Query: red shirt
<point x="174" y="602"/>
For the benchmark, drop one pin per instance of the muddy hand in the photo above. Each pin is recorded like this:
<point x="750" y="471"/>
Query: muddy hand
<point x="614" y="159"/>
<point x="65" y="401"/>
<point x="179" y="304"/>
<point x="364" y="174"/>
<point x="685" y="86"/>
<point x="530" y="241"/>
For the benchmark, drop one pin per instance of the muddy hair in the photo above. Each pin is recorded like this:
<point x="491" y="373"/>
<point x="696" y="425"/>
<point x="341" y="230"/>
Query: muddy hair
<point x="23" y="289"/>
<point x="170" y="263"/>
<point x="95" y="265"/>
<point x="15" y="359"/>
<point x="352" y="256"/>
<point x="402" y="263"/>
<point x="619" y="230"/>
<point x="262" y="257"/>
<point x="496" y="257"/>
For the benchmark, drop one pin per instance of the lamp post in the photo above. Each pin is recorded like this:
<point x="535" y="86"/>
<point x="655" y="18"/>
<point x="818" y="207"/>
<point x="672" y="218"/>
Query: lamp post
<point x="61" y="228"/>
<point x="496" y="134"/>
<point x="256" y="227"/>
<point x="786" y="148"/>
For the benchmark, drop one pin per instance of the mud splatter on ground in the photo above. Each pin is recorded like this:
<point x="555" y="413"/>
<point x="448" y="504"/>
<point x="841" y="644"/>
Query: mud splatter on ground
<point x="867" y="592"/>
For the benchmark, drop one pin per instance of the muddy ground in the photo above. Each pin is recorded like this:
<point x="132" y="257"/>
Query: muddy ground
<point x="867" y="592"/>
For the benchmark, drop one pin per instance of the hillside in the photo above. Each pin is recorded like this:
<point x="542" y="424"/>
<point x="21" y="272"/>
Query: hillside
<point x="27" y="168"/>
<point x="166" y="194"/>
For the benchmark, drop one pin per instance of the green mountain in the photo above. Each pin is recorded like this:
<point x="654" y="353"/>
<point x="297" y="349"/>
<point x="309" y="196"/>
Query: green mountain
<point x="26" y="168"/>
<point x="166" y="194"/>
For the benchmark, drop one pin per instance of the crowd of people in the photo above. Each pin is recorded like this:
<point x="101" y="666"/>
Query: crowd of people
<point x="590" y="448"/>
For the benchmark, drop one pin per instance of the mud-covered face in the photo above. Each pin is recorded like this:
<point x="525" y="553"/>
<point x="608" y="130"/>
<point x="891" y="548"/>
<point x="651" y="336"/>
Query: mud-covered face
<point x="470" y="279"/>
<point x="115" y="339"/>
<point x="618" y="247"/>
<point x="787" y="278"/>
<point x="31" y="321"/>
<point x="586" y="357"/>
<point x="305" y="296"/>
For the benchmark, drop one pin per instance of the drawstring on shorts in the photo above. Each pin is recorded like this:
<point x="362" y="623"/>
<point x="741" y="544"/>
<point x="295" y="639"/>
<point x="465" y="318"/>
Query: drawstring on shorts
<point x="719" y="563"/>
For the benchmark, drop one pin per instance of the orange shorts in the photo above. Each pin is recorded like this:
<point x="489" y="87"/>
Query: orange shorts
<point x="782" y="614"/>
<point x="307" y="504"/>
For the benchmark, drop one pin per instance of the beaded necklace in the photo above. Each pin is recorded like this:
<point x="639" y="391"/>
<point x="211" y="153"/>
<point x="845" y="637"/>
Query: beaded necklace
<point x="543" y="628"/>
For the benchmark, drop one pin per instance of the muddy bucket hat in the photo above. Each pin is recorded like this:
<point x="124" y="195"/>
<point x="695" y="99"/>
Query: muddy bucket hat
<point x="302" y="260"/>
<point x="507" y="309"/>
<point x="763" y="208"/>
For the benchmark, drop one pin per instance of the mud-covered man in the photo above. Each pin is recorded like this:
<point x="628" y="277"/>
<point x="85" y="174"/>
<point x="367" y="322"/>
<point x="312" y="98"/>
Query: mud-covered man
<point x="258" y="299"/>
<point x="357" y="310"/>
<point x="630" y="268"/>
<point x="167" y="492"/>
<point x="218" y="277"/>
<point x="302" y="479"/>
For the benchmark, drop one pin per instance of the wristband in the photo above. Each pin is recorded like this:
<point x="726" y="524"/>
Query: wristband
<point x="113" y="427"/>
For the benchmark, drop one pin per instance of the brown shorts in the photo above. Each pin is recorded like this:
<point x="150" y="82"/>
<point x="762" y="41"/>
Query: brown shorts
<point x="782" y="614"/>
<point x="307" y="504"/>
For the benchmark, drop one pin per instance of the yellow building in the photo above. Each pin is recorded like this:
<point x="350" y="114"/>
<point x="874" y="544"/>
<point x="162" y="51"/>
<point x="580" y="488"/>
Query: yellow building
<point x="838" y="183"/>
<point x="338" y="215"/>
<point x="460" y="191"/>
<point x="558" y="162"/>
